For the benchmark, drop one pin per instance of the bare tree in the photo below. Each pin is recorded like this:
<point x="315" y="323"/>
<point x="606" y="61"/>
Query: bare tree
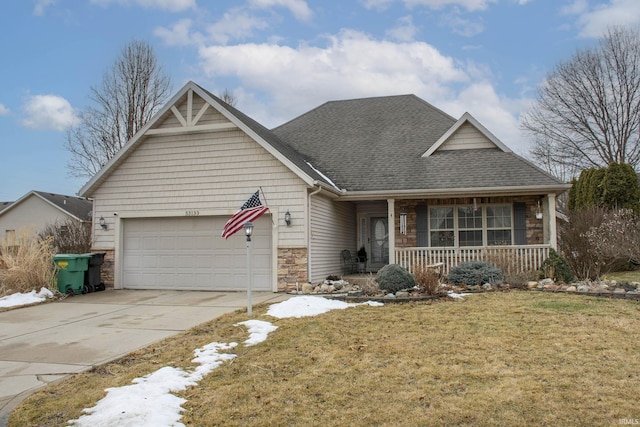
<point x="228" y="97"/>
<point x="587" y="113"/>
<point x="132" y="91"/>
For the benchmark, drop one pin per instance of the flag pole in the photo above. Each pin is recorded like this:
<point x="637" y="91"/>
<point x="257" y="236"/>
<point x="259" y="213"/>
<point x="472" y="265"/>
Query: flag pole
<point x="266" y="204"/>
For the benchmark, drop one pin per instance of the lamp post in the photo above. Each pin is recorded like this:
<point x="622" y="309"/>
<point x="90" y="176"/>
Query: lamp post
<point x="248" y="230"/>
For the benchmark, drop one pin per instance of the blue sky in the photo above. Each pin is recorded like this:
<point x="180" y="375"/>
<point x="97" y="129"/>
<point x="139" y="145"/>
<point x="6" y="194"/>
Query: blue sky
<point x="281" y="58"/>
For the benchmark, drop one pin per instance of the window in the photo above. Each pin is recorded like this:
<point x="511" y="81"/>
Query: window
<point x="498" y="225"/>
<point x="441" y="226"/>
<point x="469" y="226"/>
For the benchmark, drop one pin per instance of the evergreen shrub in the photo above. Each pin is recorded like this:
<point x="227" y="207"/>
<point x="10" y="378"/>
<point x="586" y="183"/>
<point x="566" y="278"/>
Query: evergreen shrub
<point x="474" y="273"/>
<point x="394" y="278"/>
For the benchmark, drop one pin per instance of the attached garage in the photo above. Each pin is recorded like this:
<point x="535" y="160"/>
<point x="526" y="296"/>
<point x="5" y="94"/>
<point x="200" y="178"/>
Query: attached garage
<point x="187" y="253"/>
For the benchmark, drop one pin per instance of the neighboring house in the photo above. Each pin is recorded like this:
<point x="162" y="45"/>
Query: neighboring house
<point x="393" y="174"/>
<point x="37" y="209"/>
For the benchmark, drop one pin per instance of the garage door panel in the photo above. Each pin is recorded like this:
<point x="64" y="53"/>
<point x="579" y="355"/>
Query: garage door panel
<point x="188" y="253"/>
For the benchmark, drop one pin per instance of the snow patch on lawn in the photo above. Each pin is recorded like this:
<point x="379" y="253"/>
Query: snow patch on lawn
<point x="19" y="299"/>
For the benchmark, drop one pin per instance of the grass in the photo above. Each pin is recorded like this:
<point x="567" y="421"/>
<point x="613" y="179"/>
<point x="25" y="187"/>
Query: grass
<point x="517" y="358"/>
<point x="624" y="276"/>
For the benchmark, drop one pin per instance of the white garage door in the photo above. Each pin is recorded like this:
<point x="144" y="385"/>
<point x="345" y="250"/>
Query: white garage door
<point x="188" y="253"/>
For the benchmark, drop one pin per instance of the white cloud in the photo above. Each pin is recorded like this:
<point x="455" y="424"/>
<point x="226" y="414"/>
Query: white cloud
<point x="594" y="21"/>
<point x="405" y="31"/>
<point x="41" y="5"/>
<point x="298" y="8"/>
<point x="462" y="26"/>
<point x="49" y="112"/>
<point x="169" y="5"/>
<point x="278" y="83"/>
<point x="236" y="24"/>
<point x="3" y="110"/>
<point x="176" y="35"/>
<point x="433" y="4"/>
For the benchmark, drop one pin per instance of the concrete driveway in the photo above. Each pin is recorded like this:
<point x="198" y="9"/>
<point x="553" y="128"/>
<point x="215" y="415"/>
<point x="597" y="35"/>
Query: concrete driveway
<point x="47" y="342"/>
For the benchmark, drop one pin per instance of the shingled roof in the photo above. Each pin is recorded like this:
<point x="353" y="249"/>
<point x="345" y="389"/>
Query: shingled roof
<point x="77" y="207"/>
<point x="377" y="144"/>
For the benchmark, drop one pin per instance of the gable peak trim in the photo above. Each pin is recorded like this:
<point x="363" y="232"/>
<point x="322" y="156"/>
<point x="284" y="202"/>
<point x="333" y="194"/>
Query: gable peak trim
<point x="466" y="118"/>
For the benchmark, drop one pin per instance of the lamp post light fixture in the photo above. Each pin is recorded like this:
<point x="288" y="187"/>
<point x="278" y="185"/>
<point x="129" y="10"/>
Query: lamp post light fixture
<point x="287" y="218"/>
<point x="248" y="231"/>
<point x="103" y="223"/>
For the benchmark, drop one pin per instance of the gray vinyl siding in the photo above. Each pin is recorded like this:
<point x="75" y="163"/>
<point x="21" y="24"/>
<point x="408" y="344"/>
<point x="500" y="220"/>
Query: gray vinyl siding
<point x="467" y="137"/>
<point x="333" y="228"/>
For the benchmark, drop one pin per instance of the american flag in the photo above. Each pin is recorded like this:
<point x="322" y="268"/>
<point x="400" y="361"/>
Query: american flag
<point x="251" y="210"/>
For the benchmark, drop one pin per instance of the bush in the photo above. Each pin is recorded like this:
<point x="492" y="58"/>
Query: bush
<point x="69" y="237"/>
<point x="556" y="268"/>
<point x="394" y="278"/>
<point x="579" y="247"/>
<point x="474" y="273"/>
<point x="370" y="286"/>
<point x="427" y="279"/>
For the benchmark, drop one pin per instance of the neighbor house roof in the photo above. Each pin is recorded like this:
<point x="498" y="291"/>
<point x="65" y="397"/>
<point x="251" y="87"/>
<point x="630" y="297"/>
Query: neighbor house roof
<point x="4" y="205"/>
<point x="390" y="144"/>
<point x="76" y="207"/>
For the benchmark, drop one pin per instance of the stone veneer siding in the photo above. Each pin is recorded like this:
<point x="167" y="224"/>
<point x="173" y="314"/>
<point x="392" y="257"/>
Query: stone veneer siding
<point x="107" y="267"/>
<point x="292" y="268"/>
<point x="534" y="226"/>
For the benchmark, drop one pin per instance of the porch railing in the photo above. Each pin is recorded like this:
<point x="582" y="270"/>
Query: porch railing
<point x="513" y="258"/>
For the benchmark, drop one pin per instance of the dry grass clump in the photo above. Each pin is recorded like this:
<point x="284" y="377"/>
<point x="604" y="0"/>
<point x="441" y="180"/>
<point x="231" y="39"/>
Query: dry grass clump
<point x="514" y="358"/>
<point x="370" y="287"/>
<point x="427" y="279"/>
<point x="26" y="263"/>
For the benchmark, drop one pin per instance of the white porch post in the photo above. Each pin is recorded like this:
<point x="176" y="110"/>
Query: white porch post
<point x="391" y="205"/>
<point x="553" y="233"/>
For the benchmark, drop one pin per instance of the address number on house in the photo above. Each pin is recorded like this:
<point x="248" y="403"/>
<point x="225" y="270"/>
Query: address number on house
<point x="192" y="213"/>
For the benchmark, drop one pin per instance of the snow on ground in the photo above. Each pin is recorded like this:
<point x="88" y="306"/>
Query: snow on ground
<point x="310" y="306"/>
<point x="32" y="297"/>
<point x="149" y="401"/>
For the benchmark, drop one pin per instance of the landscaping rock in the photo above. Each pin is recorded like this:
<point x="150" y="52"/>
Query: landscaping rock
<point x="487" y="286"/>
<point x="532" y="285"/>
<point x="307" y="288"/>
<point x="402" y="294"/>
<point x="545" y="282"/>
<point x="619" y="291"/>
<point x="551" y="287"/>
<point x="601" y="288"/>
<point x="583" y="288"/>
<point x="571" y="288"/>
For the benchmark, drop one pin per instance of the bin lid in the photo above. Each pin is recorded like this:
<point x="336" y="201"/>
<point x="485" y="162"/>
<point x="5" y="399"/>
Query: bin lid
<point x="70" y="256"/>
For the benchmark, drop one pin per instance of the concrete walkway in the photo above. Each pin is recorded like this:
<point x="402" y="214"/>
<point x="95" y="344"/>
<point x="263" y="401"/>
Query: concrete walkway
<point x="47" y="342"/>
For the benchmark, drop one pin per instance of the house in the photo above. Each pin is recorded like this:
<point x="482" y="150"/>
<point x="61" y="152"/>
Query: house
<point x="394" y="174"/>
<point x="38" y="209"/>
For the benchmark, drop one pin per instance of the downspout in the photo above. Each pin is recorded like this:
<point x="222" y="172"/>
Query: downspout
<point x="309" y="229"/>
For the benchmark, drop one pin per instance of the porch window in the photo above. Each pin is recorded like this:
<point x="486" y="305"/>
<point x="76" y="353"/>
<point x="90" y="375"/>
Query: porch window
<point x="470" y="226"/>
<point x="441" y="226"/>
<point x="498" y="225"/>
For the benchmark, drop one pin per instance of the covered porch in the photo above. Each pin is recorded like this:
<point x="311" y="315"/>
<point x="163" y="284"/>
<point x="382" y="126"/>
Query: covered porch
<point x="512" y="231"/>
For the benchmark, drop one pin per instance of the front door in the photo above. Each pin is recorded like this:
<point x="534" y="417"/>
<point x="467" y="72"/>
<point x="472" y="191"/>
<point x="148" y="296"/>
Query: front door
<point x="379" y="242"/>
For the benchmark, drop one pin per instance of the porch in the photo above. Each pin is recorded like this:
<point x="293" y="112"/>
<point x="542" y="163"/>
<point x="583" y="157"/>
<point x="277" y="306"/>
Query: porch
<point x="517" y="258"/>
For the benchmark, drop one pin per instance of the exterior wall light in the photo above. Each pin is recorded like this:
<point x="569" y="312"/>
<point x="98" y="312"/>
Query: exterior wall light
<point x="248" y="230"/>
<point x="287" y="218"/>
<point x="103" y="223"/>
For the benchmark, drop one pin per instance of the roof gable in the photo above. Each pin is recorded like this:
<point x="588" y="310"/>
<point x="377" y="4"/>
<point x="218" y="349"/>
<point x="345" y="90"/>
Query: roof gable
<point x="190" y="110"/>
<point x="466" y="134"/>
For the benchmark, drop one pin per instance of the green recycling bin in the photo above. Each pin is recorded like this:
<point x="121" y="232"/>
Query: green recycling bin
<point x="71" y="269"/>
